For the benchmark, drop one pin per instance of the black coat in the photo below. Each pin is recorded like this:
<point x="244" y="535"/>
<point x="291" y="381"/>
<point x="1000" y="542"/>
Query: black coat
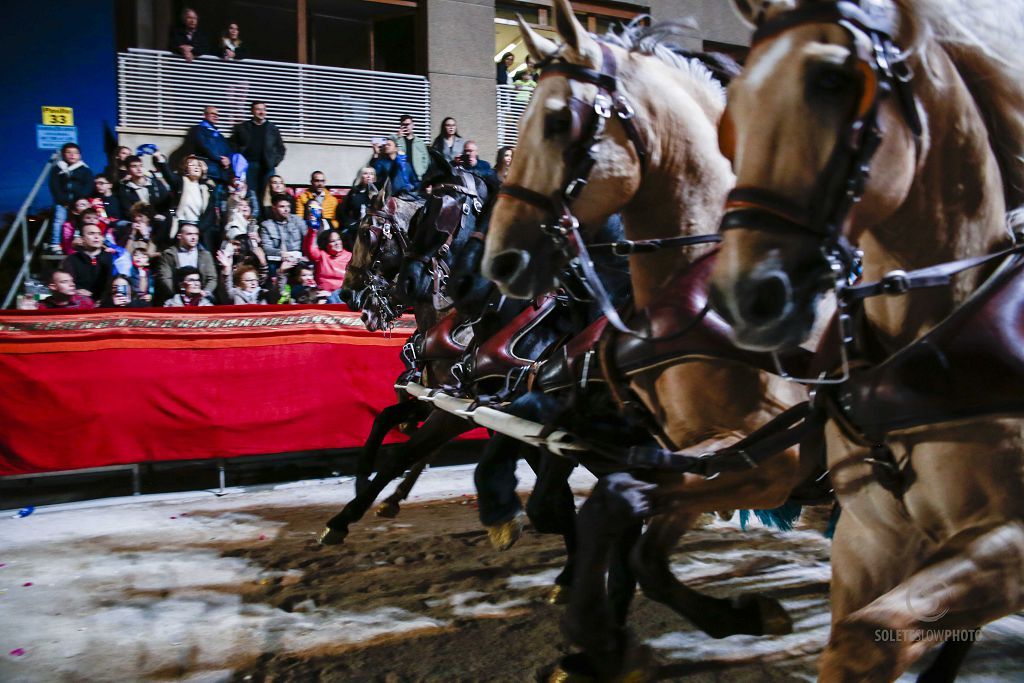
<point x="273" y="147"/>
<point x="159" y="196"/>
<point x="67" y="187"/>
<point x="179" y="36"/>
<point x="94" y="277"/>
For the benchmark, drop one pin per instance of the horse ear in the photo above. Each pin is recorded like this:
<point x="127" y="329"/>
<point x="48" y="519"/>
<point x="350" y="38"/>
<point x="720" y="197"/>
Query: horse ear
<point x="574" y="35"/>
<point x="441" y="165"/>
<point x="539" y="47"/>
<point x="755" y="12"/>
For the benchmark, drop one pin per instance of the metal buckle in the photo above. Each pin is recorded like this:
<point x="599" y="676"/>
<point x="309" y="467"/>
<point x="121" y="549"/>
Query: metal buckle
<point x="574" y="187"/>
<point x="895" y="282"/>
<point x="603" y="105"/>
<point x="822" y="379"/>
<point x="623" y="108"/>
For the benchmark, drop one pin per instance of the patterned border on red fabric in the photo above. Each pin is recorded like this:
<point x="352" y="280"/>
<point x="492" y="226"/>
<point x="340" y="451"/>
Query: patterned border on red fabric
<point x="206" y="327"/>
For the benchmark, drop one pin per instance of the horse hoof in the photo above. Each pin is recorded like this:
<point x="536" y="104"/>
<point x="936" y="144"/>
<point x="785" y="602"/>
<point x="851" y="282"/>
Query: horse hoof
<point x="558" y="595"/>
<point x="575" y="668"/>
<point x="388" y="509"/>
<point x="504" y="535"/>
<point x="773" y="617"/>
<point x="572" y="668"/>
<point x="331" y="536"/>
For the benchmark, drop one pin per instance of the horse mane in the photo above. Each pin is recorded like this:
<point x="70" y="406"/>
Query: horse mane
<point x="665" y="41"/>
<point x="983" y="38"/>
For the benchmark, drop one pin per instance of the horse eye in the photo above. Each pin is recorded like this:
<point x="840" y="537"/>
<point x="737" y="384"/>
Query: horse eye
<point x="830" y="81"/>
<point x="557" y="123"/>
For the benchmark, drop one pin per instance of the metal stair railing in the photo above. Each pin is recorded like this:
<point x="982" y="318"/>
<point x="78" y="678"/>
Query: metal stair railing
<point x="20" y="227"/>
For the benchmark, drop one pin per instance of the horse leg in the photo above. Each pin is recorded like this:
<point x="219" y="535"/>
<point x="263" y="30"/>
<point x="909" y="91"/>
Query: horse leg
<point x="439" y="428"/>
<point x="386" y="420"/>
<point x="717" y="617"/>
<point x="974" y="577"/>
<point x="946" y="666"/>
<point x="391" y="505"/>
<point x="621" y="577"/>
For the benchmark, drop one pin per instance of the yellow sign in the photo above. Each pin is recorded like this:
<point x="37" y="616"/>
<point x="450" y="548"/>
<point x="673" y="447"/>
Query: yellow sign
<point x="58" y="116"/>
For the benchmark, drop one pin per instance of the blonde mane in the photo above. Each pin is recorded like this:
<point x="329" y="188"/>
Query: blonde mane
<point x="984" y="40"/>
<point x="665" y="41"/>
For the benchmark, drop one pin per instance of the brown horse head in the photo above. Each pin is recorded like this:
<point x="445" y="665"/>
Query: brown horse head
<point x="798" y="118"/>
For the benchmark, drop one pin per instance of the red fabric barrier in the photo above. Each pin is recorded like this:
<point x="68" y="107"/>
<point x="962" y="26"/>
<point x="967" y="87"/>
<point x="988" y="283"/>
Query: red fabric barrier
<point x="104" y="387"/>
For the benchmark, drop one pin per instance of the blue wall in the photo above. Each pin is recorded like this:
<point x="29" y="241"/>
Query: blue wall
<point x="58" y="53"/>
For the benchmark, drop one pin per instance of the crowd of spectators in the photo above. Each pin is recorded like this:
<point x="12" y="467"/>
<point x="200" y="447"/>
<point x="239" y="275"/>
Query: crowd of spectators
<point x="218" y="225"/>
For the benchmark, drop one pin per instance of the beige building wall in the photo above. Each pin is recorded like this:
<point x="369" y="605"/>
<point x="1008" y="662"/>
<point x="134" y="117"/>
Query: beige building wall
<point x="460" y="67"/>
<point x="716" y="20"/>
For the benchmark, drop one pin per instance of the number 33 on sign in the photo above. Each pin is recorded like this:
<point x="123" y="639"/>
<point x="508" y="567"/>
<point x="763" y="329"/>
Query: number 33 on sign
<point x="58" y="116"/>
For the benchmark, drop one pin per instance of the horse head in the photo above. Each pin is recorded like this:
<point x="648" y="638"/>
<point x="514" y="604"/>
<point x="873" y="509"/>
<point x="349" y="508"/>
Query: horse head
<point x="439" y="232"/>
<point x="577" y="125"/>
<point x="802" y="124"/>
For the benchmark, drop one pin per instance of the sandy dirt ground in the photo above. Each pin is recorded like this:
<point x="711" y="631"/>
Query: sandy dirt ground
<point x="234" y="588"/>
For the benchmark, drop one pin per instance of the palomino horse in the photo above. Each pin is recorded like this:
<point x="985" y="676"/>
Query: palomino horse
<point x="638" y="122"/>
<point x="925" y="441"/>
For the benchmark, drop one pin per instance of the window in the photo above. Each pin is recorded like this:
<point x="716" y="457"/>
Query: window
<point x="597" y="17"/>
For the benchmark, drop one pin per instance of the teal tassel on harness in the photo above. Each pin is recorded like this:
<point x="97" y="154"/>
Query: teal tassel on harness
<point x="781" y="518"/>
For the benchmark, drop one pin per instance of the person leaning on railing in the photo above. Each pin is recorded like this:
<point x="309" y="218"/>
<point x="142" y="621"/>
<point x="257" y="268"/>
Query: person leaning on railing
<point x="187" y="39"/>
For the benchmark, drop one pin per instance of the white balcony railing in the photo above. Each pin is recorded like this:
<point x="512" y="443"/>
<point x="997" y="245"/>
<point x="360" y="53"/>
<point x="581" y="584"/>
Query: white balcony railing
<point x="511" y="104"/>
<point x="159" y="92"/>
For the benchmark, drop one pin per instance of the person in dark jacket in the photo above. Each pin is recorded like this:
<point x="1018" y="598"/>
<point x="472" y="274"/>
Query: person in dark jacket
<point x="354" y="206"/>
<point x="90" y="265"/>
<point x="208" y="143"/>
<point x="187" y="39"/>
<point x="120" y="294"/>
<point x="142" y="186"/>
<point x="260" y="142"/>
<point x="103" y="189"/>
<point x="503" y="70"/>
<point x="70" y="179"/>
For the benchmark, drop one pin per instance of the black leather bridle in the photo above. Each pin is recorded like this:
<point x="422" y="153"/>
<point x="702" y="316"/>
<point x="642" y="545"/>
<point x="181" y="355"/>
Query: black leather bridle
<point x="842" y="182"/>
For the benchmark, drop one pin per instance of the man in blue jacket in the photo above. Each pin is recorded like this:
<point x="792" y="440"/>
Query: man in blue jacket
<point x="390" y="164"/>
<point x="207" y="142"/>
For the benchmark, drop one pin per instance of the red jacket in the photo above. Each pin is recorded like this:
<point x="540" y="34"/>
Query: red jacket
<point x="76" y="301"/>
<point x="330" y="270"/>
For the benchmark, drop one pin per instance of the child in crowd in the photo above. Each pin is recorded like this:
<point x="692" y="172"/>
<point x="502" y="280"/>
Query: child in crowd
<point x="72" y="227"/>
<point x="139" y="274"/>
<point x="105" y="201"/>
<point x="70" y="180"/>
